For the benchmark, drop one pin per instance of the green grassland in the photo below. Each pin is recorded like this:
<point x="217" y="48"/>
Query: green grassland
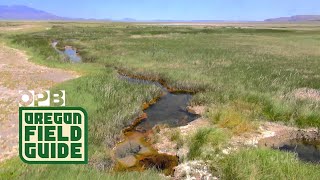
<point x="249" y="72"/>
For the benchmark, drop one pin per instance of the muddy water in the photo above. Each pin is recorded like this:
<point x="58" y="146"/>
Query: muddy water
<point x="169" y="110"/>
<point x="304" y="143"/>
<point x="306" y="151"/>
<point x="135" y="152"/>
<point x="69" y="51"/>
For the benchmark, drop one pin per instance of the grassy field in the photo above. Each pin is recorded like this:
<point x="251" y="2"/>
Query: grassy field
<point x="267" y="164"/>
<point x="239" y="73"/>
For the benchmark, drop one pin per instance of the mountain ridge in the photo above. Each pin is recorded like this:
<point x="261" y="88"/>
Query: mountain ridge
<point x="296" y="18"/>
<point x="20" y="12"/>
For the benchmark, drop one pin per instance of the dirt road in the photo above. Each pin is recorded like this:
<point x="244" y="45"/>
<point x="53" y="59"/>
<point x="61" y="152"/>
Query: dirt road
<point x="17" y="73"/>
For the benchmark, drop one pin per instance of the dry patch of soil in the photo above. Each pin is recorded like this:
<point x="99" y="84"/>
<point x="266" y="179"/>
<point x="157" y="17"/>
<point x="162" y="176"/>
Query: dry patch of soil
<point x="150" y="36"/>
<point x="17" y="73"/>
<point x="193" y="170"/>
<point x="307" y="94"/>
<point x="266" y="130"/>
<point x="18" y="27"/>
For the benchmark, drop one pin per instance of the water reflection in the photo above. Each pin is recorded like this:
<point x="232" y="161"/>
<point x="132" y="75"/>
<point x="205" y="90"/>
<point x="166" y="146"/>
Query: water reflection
<point x="306" y="151"/>
<point x="69" y="51"/>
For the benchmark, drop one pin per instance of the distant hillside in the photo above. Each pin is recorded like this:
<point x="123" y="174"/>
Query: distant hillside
<point x="128" y="20"/>
<point x="25" y="13"/>
<point x="19" y="12"/>
<point x="298" y="18"/>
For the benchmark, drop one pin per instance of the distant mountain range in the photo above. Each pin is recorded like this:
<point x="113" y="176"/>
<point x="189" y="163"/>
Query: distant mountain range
<point x="19" y="12"/>
<point x="25" y="13"/>
<point x="298" y="18"/>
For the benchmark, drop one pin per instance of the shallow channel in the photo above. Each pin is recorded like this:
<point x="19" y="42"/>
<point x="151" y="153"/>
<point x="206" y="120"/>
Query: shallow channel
<point x="306" y="151"/>
<point x="170" y="109"/>
<point x="304" y="143"/>
<point x="68" y="51"/>
<point x="135" y="152"/>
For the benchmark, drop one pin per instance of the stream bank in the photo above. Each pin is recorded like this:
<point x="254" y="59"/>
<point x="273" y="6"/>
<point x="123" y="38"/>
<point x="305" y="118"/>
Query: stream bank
<point x="135" y="152"/>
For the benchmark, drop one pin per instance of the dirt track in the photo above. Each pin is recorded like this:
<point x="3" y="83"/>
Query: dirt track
<point x="17" y="73"/>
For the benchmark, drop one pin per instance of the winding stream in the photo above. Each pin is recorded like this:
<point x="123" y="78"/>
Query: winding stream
<point x="135" y="152"/>
<point x="69" y="52"/>
<point x="170" y="108"/>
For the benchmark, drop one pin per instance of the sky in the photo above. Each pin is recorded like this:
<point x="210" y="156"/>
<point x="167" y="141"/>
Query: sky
<point x="231" y="10"/>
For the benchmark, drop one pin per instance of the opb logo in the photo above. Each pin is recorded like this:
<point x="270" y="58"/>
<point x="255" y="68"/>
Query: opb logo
<point x="53" y="135"/>
<point x="44" y="99"/>
<point x="49" y="135"/>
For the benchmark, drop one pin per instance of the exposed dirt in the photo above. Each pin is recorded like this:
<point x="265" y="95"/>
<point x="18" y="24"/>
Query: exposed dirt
<point x="150" y="36"/>
<point x="161" y="136"/>
<point x="17" y="27"/>
<point x="17" y="73"/>
<point x="271" y="135"/>
<point x="286" y="136"/>
<point x="307" y="94"/>
<point x="193" y="170"/>
<point x="266" y="130"/>
<point x="199" y="110"/>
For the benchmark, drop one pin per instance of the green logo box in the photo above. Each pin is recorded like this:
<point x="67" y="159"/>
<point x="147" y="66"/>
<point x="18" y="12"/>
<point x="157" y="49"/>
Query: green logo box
<point x="53" y="135"/>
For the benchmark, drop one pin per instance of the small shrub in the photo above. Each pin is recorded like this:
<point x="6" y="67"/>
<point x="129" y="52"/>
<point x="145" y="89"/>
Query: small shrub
<point x="233" y="120"/>
<point x="206" y="143"/>
<point x="175" y="135"/>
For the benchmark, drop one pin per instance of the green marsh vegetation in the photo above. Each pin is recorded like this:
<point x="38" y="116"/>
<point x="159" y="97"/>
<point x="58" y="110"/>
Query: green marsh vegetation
<point x="207" y="143"/>
<point x="258" y="66"/>
<point x="14" y="169"/>
<point x="247" y="74"/>
<point x="266" y="164"/>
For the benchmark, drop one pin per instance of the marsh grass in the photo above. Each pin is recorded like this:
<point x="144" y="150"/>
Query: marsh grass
<point x="112" y="104"/>
<point x="15" y="169"/>
<point x="207" y="143"/>
<point x="176" y="136"/>
<point x="267" y="164"/>
<point x="248" y="71"/>
<point x="235" y="121"/>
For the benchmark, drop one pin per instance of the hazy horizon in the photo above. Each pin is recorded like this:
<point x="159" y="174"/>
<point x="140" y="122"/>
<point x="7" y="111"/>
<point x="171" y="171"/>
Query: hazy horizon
<point x="226" y="10"/>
